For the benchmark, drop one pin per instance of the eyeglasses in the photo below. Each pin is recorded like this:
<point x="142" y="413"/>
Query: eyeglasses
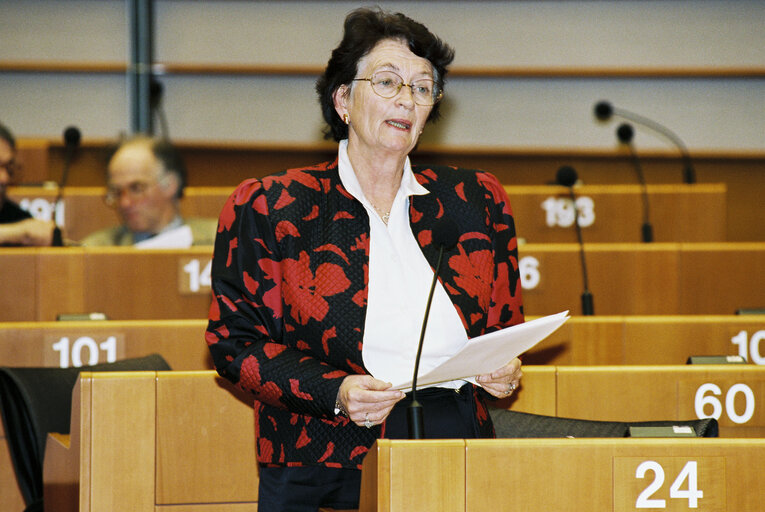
<point x="11" y="167"/>
<point x="387" y="84"/>
<point x="134" y="191"/>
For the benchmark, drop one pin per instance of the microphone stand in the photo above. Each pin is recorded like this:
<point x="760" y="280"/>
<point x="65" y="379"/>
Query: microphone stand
<point x="414" y="411"/>
<point x="588" y="309"/>
<point x="625" y="132"/>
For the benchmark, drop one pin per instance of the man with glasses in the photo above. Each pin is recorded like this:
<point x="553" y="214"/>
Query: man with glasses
<point x="17" y="226"/>
<point x="145" y="182"/>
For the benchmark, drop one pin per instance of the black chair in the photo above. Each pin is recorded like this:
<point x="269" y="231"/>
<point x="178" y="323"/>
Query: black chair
<point x="35" y="401"/>
<point x="520" y="424"/>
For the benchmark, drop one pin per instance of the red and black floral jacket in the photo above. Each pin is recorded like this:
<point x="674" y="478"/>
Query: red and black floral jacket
<point x="289" y="280"/>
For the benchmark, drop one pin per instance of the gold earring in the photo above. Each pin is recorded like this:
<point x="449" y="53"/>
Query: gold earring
<point x="345" y="118"/>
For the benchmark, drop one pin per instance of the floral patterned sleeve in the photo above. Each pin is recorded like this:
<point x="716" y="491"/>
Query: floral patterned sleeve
<point x="246" y="333"/>
<point x="506" y="304"/>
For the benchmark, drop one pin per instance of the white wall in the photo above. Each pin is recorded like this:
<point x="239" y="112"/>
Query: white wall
<point x="708" y="113"/>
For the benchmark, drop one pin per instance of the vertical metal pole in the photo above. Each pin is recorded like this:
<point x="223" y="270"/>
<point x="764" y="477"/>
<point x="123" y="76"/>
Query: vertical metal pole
<point x="142" y="56"/>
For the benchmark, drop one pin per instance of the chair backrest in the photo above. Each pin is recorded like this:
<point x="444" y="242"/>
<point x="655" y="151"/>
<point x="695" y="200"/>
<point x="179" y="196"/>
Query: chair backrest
<point x="35" y="401"/>
<point x="520" y="424"/>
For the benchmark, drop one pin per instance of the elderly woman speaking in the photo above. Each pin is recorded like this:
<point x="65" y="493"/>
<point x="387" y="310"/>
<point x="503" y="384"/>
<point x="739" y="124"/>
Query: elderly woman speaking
<point x="321" y="274"/>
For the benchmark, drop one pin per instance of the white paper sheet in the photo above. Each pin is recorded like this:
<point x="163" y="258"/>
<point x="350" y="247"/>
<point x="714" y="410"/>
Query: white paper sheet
<point x="177" y="238"/>
<point x="486" y="353"/>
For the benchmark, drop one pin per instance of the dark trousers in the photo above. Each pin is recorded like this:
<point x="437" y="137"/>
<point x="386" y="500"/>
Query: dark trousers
<point x="447" y="414"/>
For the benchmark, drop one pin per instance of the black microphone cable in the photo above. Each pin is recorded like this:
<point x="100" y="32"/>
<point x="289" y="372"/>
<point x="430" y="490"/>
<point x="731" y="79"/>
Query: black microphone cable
<point x="566" y="176"/>
<point x="445" y="236"/>
<point x="72" y="137"/>
<point x="625" y="133"/>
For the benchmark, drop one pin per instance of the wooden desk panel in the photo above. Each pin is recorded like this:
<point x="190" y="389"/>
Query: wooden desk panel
<point x="121" y="282"/>
<point x="614" y="213"/>
<point x="636" y="279"/>
<point x="199" y="423"/>
<point x="644" y="279"/>
<point x="672" y="339"/>
<point x="10" y="494"/>
<point x="582" y="340"/>
<point x="540" y="475"/>
<point x="625" y="279"/>
<point x="83" y="211"/>
<point x="683" y="213"/>
<point x="126" y="283"/>
<point x="600" y="474"/>
<point x="647" y="393"/>
<point x="712" y="271"/>
<point x="192" y="450"/>
<point x="18" y="279"/>
<point x="650" y="340"/>
<point x="65" y="344"/>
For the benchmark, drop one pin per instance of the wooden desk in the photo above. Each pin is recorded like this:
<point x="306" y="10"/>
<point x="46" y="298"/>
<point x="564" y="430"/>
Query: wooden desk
<point x="83" y="211"/>
<point x="617" y="340"/>
<point x="730" y="393"/>
<point x="72" y="344"/>
<point x="650" y="340"/>
<point x="158" y="433"/>
<point x="123" y="283"/>
<point x="175" y="440"/>
<point x="644" y="279"/>
<point x="541" y="475"/>
<point x="625" y="279"/>
<point x="636" y="393"/>
<point x="65" y="344"/>
<point x="609" y="213"/>
<point x="614" y="213"/>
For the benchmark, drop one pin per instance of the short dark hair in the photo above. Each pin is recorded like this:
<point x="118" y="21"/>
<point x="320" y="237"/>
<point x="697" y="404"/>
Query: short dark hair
<point x="363" y="29"/>
<point x="7" y="136"/>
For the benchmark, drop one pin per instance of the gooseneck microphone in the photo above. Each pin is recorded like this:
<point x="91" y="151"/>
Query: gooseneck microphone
<point x="156" y="89"/>
<point x="604" y="111"/>
<point x="72" y="138"/>
<point x="566" y="176"/>
<point x="625" y="133"/>
<point x="445" y="236"/>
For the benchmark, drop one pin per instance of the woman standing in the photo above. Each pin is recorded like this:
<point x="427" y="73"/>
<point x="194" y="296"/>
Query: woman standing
<point x="321" y="275"/>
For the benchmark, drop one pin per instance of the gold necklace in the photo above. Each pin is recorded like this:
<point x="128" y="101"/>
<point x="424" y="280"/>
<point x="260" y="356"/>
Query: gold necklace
<point x="383" y="214"/>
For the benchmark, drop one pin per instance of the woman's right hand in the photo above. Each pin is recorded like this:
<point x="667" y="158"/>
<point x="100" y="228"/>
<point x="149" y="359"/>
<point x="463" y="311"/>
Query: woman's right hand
<point x="367" y="400"/>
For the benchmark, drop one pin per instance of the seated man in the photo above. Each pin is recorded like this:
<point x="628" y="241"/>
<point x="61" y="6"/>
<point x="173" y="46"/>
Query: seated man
<point x="145" y="181"/>
<point x="17" y="226"/>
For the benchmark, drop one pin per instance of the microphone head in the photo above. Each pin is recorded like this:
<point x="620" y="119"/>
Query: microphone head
<point x="625" y="133"/>
<point x="603" y="110"/>
<point x="446" y="233"/>
<point x="566" y="176"/>
<point x="72" y="137"/>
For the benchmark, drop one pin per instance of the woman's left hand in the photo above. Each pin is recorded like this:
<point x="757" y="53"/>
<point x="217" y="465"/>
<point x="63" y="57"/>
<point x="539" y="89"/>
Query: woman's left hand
<point x="503" y="381"/>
